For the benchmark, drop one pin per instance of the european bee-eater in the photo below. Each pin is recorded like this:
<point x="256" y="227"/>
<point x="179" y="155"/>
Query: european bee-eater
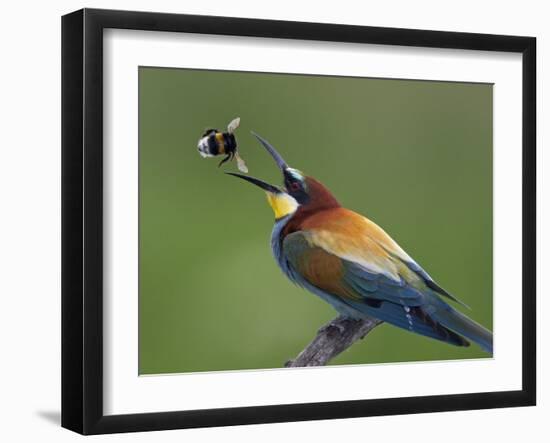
<point x="353" y="264"/>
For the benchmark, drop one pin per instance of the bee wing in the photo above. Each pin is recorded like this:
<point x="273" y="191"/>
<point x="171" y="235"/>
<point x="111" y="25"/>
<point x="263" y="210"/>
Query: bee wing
<point x="234" y="124"/>
<point x="240" y="163"/>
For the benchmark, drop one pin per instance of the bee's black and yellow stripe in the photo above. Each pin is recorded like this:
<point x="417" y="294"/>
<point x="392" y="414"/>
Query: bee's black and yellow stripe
<point x="215" y="143"/>
<point x="220" y="143"/>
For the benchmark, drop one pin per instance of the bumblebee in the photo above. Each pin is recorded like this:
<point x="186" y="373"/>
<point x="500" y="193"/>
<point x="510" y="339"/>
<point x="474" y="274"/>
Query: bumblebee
<point x="214" y="143"/>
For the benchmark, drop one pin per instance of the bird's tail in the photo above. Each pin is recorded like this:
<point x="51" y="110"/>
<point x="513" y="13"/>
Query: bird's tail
<point x="459" y="323"/>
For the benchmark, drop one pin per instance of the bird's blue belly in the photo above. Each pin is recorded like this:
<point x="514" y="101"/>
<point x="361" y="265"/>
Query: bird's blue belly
<point x="276" y="247"/>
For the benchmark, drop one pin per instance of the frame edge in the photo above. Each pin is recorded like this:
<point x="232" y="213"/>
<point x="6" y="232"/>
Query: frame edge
<point x="529" y="221"/>
<point x="72" y="223"/>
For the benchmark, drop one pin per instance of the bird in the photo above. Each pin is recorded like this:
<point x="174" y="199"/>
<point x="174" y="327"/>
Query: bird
<point x="354" y="265"/>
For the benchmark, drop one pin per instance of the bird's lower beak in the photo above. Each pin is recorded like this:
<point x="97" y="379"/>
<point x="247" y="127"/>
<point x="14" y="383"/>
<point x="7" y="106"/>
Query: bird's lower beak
<point x="260" y="183"/>
<point x="281" y="202"/>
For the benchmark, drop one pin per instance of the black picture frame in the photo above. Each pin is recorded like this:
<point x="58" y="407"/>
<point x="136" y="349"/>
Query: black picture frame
<point x="82" y="220"/>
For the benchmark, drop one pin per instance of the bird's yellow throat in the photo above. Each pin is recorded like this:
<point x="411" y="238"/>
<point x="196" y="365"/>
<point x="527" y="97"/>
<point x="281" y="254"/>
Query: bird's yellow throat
<point x="282" y="204"/>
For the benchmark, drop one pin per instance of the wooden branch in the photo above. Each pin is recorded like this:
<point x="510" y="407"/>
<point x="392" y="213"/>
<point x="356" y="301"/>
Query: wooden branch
<point x="332" y="339"/>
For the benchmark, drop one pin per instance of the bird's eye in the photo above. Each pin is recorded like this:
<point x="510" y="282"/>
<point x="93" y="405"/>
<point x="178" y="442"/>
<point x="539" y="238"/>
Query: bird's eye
<point x="294" y="186"/>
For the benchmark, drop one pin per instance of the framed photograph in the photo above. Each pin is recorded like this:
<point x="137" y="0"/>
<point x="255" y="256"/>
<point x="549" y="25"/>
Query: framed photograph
<point x="269" y="221"/>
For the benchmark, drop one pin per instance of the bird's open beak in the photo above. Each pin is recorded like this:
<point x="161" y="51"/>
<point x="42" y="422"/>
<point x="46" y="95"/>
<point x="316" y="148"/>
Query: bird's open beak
<point x="282" y="203"/>
<point x="280" y="163"/>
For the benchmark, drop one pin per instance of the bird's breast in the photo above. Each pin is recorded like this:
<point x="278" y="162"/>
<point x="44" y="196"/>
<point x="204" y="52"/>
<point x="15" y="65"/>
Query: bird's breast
<point x="277" y="244"/>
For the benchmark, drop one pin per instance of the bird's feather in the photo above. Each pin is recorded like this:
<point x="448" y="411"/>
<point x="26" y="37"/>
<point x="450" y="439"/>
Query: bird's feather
<point x="356" y="238"/>
<point x="354" y="265"/>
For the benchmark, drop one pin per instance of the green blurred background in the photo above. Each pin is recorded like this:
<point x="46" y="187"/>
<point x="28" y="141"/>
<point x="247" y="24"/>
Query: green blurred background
<point x="414" y="156"/>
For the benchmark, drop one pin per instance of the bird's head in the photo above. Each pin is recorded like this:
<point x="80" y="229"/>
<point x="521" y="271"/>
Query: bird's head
<point x="299" y="193"/>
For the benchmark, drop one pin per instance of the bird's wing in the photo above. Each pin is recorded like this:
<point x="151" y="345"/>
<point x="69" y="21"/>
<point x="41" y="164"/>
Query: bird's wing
<point x="350" y="287"/>
<point x="368" y="247"/>
<point x="372" y="275"/>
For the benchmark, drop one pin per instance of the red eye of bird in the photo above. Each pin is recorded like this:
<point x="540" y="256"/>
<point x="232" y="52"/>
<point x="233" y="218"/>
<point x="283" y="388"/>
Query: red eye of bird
<point x="295" y="186"/>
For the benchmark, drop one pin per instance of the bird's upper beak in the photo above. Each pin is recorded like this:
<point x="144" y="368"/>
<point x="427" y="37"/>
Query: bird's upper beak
<point x="280" y="163"/>
<point x="281" y="202"/>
